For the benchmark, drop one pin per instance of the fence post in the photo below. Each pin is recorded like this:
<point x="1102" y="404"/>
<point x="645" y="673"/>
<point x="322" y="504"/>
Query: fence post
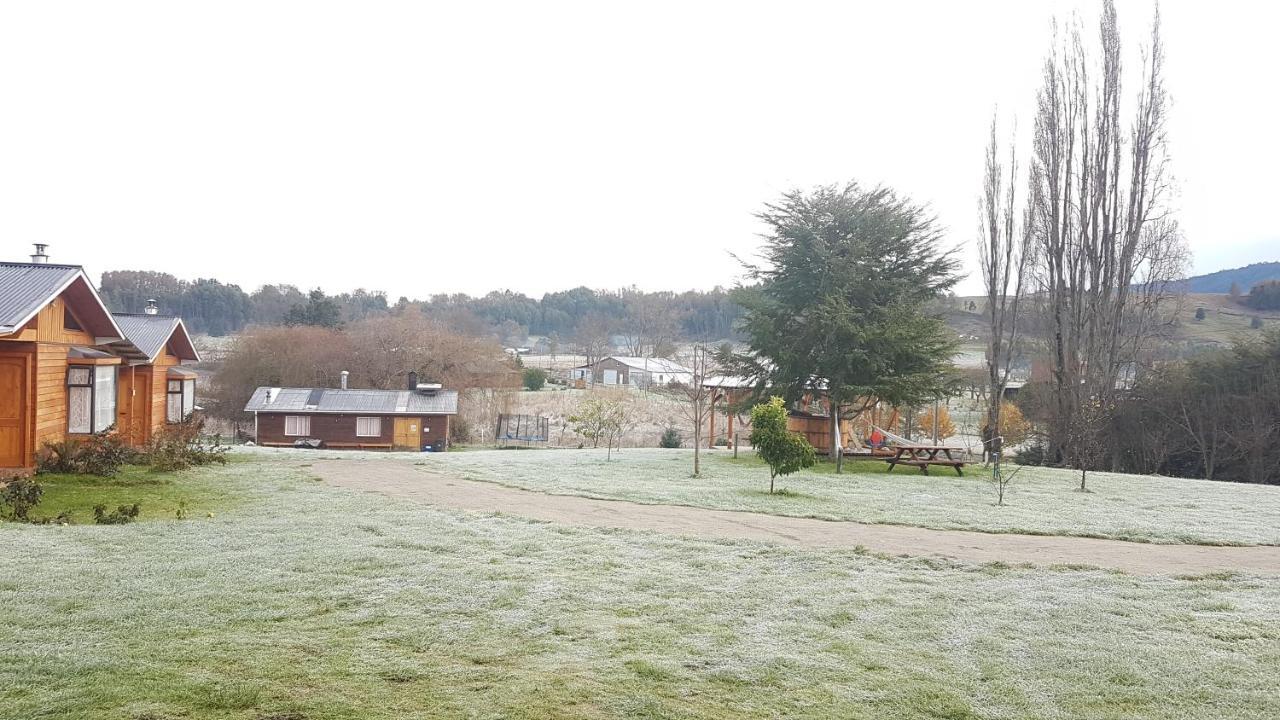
<point x="735" y="446"/>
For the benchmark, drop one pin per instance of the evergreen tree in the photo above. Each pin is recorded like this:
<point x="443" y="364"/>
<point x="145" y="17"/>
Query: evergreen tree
<point x="840" y="305"/>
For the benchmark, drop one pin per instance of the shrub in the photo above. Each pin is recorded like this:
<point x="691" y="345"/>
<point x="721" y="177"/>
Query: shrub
<point x="784" y="451"/>
<point x="535" y="378"/>
<point x="670" y="439"/>
<point x="123" y="514"/>
<point x="104" y="454"/>
<point x="1200" y="313"/>
<point x="1035" y="454"/>
<point x="1014" y="427"/>
<point x="946" y="428"/>
<point x="19" y="496"/>
<point x="180" y="446"/>
<point x="59" y="457"/>
<point x="101" y="454"/>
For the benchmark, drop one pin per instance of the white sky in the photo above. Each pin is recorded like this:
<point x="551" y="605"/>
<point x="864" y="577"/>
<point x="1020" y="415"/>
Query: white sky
<point x="474" y="146"/>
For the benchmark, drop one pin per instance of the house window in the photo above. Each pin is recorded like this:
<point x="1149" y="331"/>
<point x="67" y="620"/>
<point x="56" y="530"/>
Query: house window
<point x="91" y="398"/>
<point x="368" y="427"/>
<point x="180" y="401"/>
<point x="297" y="425"/>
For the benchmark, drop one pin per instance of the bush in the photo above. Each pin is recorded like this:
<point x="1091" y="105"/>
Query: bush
<point x="670" y="439"/>
<point x="122" y="515"/>
<point x="946" y="428"/>
<point x="1200" y="313"/>
<point x="784" y="451"/>
<point x="19" y="496"/>
<point x="180" y="446"/>
<point x="59" y="457"/>
<point x="102" y="454"/>
<point x="1035" y="454"/>
<point x="535" y="378"/>
<point x="1015" y="428"/>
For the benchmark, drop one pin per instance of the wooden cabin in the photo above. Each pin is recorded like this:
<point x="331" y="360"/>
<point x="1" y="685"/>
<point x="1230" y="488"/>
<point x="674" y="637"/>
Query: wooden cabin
<point x="62" y="356"/>
<point x="156" y="390"/>
<point x="414" y="419"/>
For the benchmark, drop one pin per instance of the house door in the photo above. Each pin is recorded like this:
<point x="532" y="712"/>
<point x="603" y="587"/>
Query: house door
<point x="610" y="377"/>
<point x="13" y="396"/>
<point x="408" y="434"/>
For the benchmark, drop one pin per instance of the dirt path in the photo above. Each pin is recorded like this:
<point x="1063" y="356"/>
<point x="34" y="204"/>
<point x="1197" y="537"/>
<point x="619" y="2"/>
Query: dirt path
<point x="399" y="479"/>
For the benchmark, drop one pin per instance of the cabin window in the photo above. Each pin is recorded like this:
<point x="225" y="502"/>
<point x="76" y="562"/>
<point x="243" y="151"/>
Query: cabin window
<point x="180" y="401"/>
<point x="91" y="398"/>
<point x="368" y="427"/>
<point x="297" y="425"/>
<point x="69" y="320"/>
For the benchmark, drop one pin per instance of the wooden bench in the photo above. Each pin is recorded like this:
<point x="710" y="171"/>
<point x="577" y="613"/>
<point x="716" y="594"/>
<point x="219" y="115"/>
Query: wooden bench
<point x="922" y="456"/>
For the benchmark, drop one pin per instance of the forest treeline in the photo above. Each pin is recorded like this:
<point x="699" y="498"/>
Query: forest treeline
<point x="217" y="308"/>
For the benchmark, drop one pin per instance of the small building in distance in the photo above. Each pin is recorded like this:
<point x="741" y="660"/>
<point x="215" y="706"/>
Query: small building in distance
<point x="632" y="371"/>
<point x="414" y="419"/>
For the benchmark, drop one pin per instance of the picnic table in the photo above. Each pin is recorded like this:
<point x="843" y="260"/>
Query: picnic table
<point x="922" y="456"/>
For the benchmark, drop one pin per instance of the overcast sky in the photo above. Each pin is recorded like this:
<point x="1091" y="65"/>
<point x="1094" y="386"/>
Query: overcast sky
<point x="536" y="146"/>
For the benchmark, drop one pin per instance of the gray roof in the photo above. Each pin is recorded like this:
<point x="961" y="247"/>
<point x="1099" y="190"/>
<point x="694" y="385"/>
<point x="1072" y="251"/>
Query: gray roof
<point x="150" y="333"/>
<point x="372" y="402"/>
<point x="27" y="287"/>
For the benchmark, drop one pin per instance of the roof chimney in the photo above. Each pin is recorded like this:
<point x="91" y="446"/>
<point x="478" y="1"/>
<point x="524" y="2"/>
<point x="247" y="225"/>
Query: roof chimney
<point x="40" y="257"/>
<point x="344" y="376"/>
<point x="413" y="381"/>
<point x="152" y="308"/>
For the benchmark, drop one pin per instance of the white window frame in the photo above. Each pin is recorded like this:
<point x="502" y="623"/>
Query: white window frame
<point x="377" y="429"/>
<point x="302" y="425"/>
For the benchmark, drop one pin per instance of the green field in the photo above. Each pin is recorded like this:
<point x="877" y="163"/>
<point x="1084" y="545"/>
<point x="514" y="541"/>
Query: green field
<point x="300" y="601"/>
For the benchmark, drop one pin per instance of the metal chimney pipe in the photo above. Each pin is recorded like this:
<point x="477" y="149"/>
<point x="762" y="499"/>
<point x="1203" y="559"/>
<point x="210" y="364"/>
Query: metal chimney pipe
<point x="413" y="381"/>
<point x="152" y="308"/>
<point x="40" y="257"/>
<point x="344" y="375"/>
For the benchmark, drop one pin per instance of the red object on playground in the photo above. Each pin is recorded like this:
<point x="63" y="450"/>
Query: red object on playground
<point x="877" y="438"/>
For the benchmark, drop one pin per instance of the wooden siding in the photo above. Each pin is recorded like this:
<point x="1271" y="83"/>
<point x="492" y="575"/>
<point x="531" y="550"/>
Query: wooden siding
<point x="339" y="430"/>
<point x="141" y="390"/>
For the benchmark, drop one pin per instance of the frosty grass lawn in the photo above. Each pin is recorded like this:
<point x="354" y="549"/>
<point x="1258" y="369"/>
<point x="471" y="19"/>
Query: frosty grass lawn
<point x="1040" y="500"/>
<point x="301" y="601"/>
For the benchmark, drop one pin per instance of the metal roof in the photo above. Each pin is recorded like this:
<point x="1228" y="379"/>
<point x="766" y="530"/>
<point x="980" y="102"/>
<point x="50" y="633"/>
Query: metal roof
<point x="371" y="402"/>
<point x="653" y="365"/>
<point x="27" y="287"/>
<point x="150" y="333"/>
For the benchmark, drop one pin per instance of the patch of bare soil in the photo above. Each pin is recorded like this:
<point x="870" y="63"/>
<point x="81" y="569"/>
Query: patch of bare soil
<point x="421" y="484"/>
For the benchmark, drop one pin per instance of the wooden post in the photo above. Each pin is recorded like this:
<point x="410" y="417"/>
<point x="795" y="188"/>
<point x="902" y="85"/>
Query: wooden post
<point x="735" y="446"/>
<point x="711" y="436"/>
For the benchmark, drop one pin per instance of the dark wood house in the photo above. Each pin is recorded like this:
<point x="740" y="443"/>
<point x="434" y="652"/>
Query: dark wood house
<point x="413" y="419"/>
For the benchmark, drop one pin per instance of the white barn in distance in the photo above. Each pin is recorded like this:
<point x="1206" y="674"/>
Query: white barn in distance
<point x="632" y="371"/>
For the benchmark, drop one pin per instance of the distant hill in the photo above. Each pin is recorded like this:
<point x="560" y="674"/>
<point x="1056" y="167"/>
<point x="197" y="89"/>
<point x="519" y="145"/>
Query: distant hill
<point x="1246" y="277"/>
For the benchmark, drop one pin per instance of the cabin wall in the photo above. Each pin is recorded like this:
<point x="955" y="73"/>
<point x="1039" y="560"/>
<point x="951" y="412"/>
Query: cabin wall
<point x="341" y="428"/>
<point x="46" y="341"/>
<point x="159" y="380"/>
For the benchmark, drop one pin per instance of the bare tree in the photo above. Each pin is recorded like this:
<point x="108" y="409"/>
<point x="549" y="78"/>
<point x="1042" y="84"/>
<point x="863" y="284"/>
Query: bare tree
<point x="652" y="327"/>
<point x="591" y="338"/>
<point x="698" y="397"/>
<point x="1108" y="251"/>
<point x="1006" y="255"/>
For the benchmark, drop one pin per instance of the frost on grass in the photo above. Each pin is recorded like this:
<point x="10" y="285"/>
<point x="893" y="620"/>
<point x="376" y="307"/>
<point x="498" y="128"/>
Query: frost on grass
<point x="1040" y="501"/>
<point x="321" y="602"/>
